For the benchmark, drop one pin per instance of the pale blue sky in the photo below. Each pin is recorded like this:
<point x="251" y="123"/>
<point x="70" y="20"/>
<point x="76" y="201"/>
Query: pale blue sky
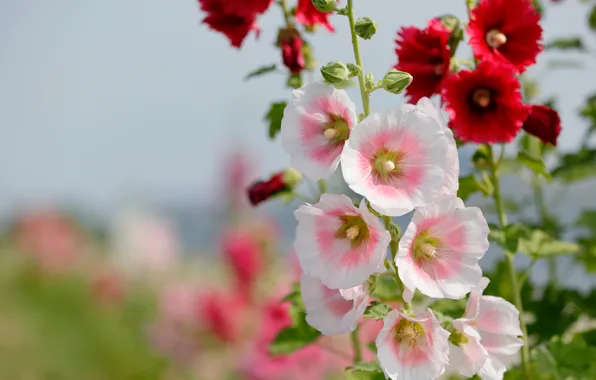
<point x="105" y="100"/>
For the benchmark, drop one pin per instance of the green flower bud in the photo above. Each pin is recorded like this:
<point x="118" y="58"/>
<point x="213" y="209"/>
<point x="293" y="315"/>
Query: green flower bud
<point x="335" y="72"/>
<point x="326" y="6"/>
<point x="292" y="177"/>
<point x="365" y="28"/>
<point x="354" y="69"/>
<point x="458" y="338"/>
<point x="450" y="22"/>
<point x="396" y="81"/>
<point x="369" y="82"/>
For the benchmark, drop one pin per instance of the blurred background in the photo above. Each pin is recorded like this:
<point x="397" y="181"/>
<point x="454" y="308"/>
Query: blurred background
<point x="129" y="136"/>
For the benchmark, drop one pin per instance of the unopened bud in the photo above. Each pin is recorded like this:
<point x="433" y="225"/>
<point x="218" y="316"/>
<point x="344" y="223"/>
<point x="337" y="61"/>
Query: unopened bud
<point x="326" y="6"/>
<point x="365" y="28"/>
<point x="292" y="177"/>
<point x="280" y="183"/>
<point x="396" y="81"/>
<point x="458" y="338"/>
<point x="335" y="72"/>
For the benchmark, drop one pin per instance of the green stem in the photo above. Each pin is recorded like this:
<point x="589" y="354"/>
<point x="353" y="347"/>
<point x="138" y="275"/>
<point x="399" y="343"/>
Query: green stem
<point x="356" y="344"/>
<point x="286" y="12"/>
<point x="322" y="186"/>
<point x="356" y="46"/>
<point x="525" y="352"/>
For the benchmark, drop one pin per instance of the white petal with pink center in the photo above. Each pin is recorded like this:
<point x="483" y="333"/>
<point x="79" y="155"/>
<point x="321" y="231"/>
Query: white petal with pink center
<point x="496" y="322"/>
<point x="412" y="348"/>
<point x="439" y="252"/>
<point x="332" y="311"/>
<point x="339" y="243"/>
<point x="315" y="126"/>
<point x="466" y="353"/>
<point x="397" y="159"/>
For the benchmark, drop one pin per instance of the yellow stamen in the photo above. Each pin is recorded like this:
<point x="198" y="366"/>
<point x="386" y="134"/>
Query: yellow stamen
<point x="330" y="133"/>
<point x="495" y="39"/>
<point x="352" y="232"/>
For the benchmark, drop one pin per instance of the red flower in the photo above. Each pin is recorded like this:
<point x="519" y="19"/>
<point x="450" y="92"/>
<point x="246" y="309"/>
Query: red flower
<point x="424" y="54"/>
<point x="308" y="15"/>
<point x="234" y="25"/>
<point x="486" y="104"/>
<point x="243" y="252"/>
<point x="222" y="315"/>
<point x="506" y="31"/>
<point x="291" y="50"/>
<point x="544" y="123"/>
<point x="246" y="8"/>
<point x="263" y="190"/>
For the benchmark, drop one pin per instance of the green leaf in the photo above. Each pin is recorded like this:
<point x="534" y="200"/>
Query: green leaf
<point x="274" y="116"/>
<point x="540" y="244"/>
<point x="293" y="338"/>
<point x="386" y="289"/>
<point x="534" y="164"/>
<point x="566" y="43"/>
<point x="377" y="310"/>
<point x="513" y="233"/>
<point x="592" y="18"/>
<point x="565" y="64"/>
<point x="565" y="360"/>
<point x="365" y="371"/>
<point x="467" y="186"/>
<point x="260" y="71"/>
<point x="576" y="166"/>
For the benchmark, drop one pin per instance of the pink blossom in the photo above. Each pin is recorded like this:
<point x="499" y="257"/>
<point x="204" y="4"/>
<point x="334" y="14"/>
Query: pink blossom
<point x="339" y="243"/>
<point x="412" y="348"/>
<point x="244" y="254"/>
<point x="439" y="252"/>
<point x="396" y="159"/>
<point x="315" y="127"/>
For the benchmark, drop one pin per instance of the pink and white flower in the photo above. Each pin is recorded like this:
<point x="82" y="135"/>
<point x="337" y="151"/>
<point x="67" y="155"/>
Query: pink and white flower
<point x="315" y="127"/>
<point x="441" y="247"/>
<point x="491" y="335"/>
<point x="396" y="159"/>
<point x="332" y="311"/>
<point x="412" y="348"/>
<point x="340" y="244"/>
<point x="451" y="182"/>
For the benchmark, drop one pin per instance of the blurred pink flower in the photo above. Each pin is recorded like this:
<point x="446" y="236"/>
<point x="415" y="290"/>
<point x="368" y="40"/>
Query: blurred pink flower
<point x="222" y="314"/>
<point x="108" y="285"/>
<point x="245" y="256"/>
<point x="50" y="237"/>
<point x="310" y="362"/>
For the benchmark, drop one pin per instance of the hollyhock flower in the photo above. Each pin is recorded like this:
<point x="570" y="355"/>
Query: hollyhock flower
<point x="439" y="252"/>
<point x="397" y="159"/>
<point x="291" y="44"/>
<point x="221" y="314"/>
<point x="451" y="182"/>
<point x="485" y="105"/>
<point x="425" y="54"/>
<point x="246" y="7"/>
<point x="544" y="123"/>
<point x="233" y="25"/>
<point x="499" y="34"/>
<point x="309" y="16"/>
<point x="243" y="252"/>
<point x="315" y="127"/>
<point x="487" y="336"/>
<point x="339" y="243"/>
<point x="412" y="347"/>
<point x="332" y="311"/>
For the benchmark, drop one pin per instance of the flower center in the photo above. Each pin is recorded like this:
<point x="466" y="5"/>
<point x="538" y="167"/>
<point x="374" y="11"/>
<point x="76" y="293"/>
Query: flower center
<point x="439" y="70"/>
<point x="495" y="39"/>
<point x="458" y="338"/>
<point x="337" y="129"/>
<point x="385" y="164"/>
<point x="352" y="232"/>
<point x="353" y="228"/>
<point x="482" y="97"/>
<point x="408" y="332"/>
<point x="425" y="248"/>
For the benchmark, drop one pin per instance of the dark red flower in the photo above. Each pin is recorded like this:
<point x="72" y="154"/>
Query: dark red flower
<point x="246" y="8"/>
<point x="261" y="191"/>
<point x="506" y="31"/>
<point x="291" y="44"/>
<point x="235" y="26"/>
<point x="424" y="53"/>
<point x="544" y="123"/>
<point x="486" y="104"/>
<point x="244" y="254"/>
<point x="308" y="15"/>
